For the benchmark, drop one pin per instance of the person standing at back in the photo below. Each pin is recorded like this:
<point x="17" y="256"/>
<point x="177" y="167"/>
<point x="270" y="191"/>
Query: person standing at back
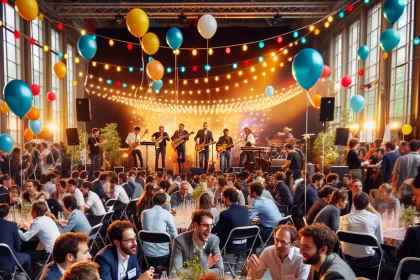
<point x="94" y="150"/>
<point x="133" y="140"/>
<point x="293" y="161"/>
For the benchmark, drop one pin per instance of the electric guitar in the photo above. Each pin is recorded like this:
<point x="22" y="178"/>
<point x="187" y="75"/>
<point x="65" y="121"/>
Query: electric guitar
<point x="178" y="141"/>
<point x="159" y="140"/>
<point x="224" y="147"/>
<point x="133" y="144"/>
<point x="200" y="147"/>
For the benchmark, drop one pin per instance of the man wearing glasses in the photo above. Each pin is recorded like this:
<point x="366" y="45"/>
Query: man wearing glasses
<point x="198" y="243"/>
<point x="119" y="260"/>
<point x="282" y="259"/>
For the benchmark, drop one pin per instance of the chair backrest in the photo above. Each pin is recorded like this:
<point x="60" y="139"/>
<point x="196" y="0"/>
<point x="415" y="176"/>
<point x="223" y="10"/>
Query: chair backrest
<point x="7" y="248"/>
<point x="131" y="206"/>
<point x="305" y="221"/>
<point x="408" y="265"/>
<point x="240" y="233"/>
<point x="110" y="202"/>
<point x="154" y="236"/>
<point x="106" y="218"/>
<point x="286" y="220"/>
<point x="358" y="238"/>
<point x="95" y="230"/>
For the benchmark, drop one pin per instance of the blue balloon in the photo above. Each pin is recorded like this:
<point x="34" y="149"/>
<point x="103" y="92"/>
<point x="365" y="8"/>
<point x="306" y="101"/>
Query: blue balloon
<point x="18" y="96"/>
<point x="393" y="9"/>
<point x="357" y="102"/>
<point x="174" y="38"/>
<point x="6" y="143"/>
<point x="389" y="39"/>
<point x="269" y="91"/>
<point x="157" y="85"/>
<point x="307" y="67"/>
<point x="363" y="52"/>
<point x="87" y="46"/>
<point x="35" y="126"/>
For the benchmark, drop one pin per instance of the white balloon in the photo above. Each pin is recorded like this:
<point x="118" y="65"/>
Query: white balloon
<point x="207" y="26"/>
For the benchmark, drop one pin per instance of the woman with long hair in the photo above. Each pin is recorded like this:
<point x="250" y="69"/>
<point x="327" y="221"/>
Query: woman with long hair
<point x="330" y="214"/>
<point x="146" y="199"/>
<point x="204" y="202"/>
<point x="16" y="166"/>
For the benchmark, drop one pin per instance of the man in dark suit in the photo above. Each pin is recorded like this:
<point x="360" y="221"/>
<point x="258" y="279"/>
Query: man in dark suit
<point x="5" y="184"/>
<point x="311" y="193"/>
<point x="205" y="136"/>
<point x="180" y="150"/>
<point x="119" y="260"/>
<point x="10" y="236"/>
<point x="234" y="216"/>
<point x="98" y="186"/>
<point x="69" y="248"/>
<point x="388" y="162"/>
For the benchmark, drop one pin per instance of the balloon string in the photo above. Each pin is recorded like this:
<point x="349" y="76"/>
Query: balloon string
<point x="142" y="65"/>
<point x="306" y="144"/>
<point x="87" y="72"/>
<point x="21" y="160"/>
<point x="207" y="64"/>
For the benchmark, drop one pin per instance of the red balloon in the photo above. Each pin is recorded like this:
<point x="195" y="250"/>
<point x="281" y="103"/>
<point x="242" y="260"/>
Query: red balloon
<point x="51" y="96"/>
<point x="361" y="72"/>
<point x="346" y="81"/>
<point x="35" y="89"/>
<point x="195" y="68"/>
<point x="326" y="71"/>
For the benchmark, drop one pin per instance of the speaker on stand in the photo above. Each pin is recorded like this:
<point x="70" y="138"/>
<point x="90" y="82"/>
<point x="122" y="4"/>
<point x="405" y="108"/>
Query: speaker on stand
<point x="84" y="114"/>
<point x="326" y="114"/>
<point x="72" y="140"/>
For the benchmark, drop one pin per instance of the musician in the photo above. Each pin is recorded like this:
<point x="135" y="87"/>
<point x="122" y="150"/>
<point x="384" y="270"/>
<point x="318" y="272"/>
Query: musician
<point x="180" y="150"/>
<point x="225" y="156"/>
<point x="285" y="134"/>
<point x="161" y="149"/>
<point x="204" y="136"/>
<point x="94" y="152"/>
<point x="293" y="161"/>
<point x="133" y="140"/>
<point x="249" y="141"/>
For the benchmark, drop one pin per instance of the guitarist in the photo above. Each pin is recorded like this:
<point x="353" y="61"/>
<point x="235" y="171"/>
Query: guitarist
<point x="180" y="150"/>
<point x="161" y="149"/>
<point x="205" y="136"/>
<point x="133" y="140"/>
<point x="225" y="156"/>
<point x="94" y="152"/>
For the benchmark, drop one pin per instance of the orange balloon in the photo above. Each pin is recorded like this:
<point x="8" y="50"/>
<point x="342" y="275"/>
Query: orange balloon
<point x="4" y="108"/>
<point x="33" y="114"/>
<point x="316" y="99"/>
<point x="155" y="70"/>
<point x="29" y="135"/>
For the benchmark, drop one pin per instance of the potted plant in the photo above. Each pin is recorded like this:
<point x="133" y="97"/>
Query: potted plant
<point x="193" y="270"/>
<point x="409" y="216"/>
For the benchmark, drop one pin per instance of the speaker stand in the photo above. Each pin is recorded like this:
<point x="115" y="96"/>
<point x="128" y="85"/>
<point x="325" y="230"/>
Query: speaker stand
<point x="323" y="145"/>
<point x="147" y="156"/>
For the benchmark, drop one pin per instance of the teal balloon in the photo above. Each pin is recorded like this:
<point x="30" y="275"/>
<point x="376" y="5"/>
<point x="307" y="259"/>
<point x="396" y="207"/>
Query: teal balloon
<point x="18" y="97"/>
<point x="307" y="67"/>
<point x="393" y="9"/>
<point x="6" y="143"/>
<point x="357" y="102"/>
<point x="363" y="52"/>
<point x="269" y="91"/>
<point x="157" y="85"/>
<point x="87" y="46"/>
<point x="174" y="38"/>
<point x="389" y="39"/>
<point x="35" y="126"/>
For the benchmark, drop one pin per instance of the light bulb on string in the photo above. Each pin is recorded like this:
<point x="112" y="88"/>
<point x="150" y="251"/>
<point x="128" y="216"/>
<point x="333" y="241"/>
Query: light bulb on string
<point x="182" y="69"/>
<point x="416" y="41"/>
<point x="111" y="42"/>
<point x="261" y="45"/>
<point x="244" y="48"/>
<point x="83" y="32"/>
<point x="168" y="70"/>
<point x="295" y="34"/>
<point x="279" y="39"/>
<point x="210" y="51"/>
<point x="317" y="31"/>
<point x="303" y="40"/>
<point x="330" y="19"/>
<point x="194" y="52"/>
<point x="227" y="50"/>
<point x="260" y="59"/>
<point x="311" y="28"/>
<point x="327" y="24"/>
<point x="94" y="63"/>
<point x="234" y="65"/>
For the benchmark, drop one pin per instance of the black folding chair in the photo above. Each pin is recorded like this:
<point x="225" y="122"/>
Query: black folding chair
<point x="109" y="205"/>
<point x="43" y="264"/>
<point x="362" y="239"/>
<point x="4" y="247"/>
<point x="408" y="265"/>
<point x="155" y="237"/>
<point x="240" y="235"/>
<point x="106" y="221"/>
<point x="94" y="232"/>
<point x="129" y="209"/>
<point x="284" y="221"/>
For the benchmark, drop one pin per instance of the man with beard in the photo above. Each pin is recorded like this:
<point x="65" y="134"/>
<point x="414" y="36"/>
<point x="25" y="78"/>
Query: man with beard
<point x="316" y="244"/>
<point x="282" y="259"/>
<point x="119" y="260"/>
<point x="198" y="242"/>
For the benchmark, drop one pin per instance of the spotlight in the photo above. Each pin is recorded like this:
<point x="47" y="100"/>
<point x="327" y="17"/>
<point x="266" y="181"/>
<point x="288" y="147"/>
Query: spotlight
<point x="119" y="19"/>
<point x="277" y="19"/>
<point x="182" y="19"/>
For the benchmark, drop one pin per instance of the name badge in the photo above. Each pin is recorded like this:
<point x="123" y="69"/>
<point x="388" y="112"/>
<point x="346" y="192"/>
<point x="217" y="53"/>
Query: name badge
<point x="289" y="277"/>
<point x="132" y="273"/>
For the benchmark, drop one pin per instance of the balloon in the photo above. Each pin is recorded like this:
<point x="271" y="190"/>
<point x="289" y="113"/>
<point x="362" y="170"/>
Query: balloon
<point x="207" y="26"/>
<point x="363" y="52"/>
<point x="393" y="9"/>
<point x="174" y="38"/>
<point x="33" y="114"/>
<point x="157" y="85"/>
<point x="60" y="70"/>
<point x="87" y="46"/>
<point x="346" y="81"/>
<point x="326" y="71"/>
<point x="150" y="43"/>
<point x="357" y="102"/>
<point x="269" y="91"/>
<point x="51" y="96"/>
<point x="137" y="22"/>
<point x="35" y="89"/>
<point x="307" y="67"/>
<point x="406" y="129"/>
<point x="28" y="9"/>
<point x="385" y="55"/>
<point x="6" y="143"/>
<point x="18" y="96"/>
<point x="389" y="39"/>
<point x="361" y="72"/>
<point x="155" y="70"/>
<point x="35" y="126"/>
<point x="4" y="108"/>
<point x="317" y="101"/>
<point x="28" y="134"/>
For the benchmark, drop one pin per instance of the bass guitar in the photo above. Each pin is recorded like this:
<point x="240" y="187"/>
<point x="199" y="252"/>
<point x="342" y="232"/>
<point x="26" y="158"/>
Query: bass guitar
<point x="133" y="144"/>
<point x="201" y="147"/>
<point x="178" y="141"/>
<point x="159" y="140"/>
<point x="224" y="147"/>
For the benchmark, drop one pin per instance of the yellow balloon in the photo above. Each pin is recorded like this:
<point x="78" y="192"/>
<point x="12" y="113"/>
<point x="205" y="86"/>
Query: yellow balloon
<point x="137" y="22"/>
<point x="150" y="43"/>
<point x="60" y="69"/>
<point x="155" y="70"/>
<point x="385" y="55"/>
<point x="4" y="108"/>
<point x="27" y="9"/>
<point x="407" y="129"/>
<point x="29" y="135"/>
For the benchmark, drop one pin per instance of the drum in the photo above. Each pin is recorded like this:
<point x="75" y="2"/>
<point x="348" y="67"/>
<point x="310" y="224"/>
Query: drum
<point x="281" y="155"/>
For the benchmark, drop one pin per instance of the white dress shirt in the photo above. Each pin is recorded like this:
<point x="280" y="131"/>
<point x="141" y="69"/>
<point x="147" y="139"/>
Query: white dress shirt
<point x="46" y="230"/>
<point x="131" y="137"/>
<point x="79" y="197"/>
<point x="50" y="187"/>
<point x="121" y="195"/>
<point x="122" y="266"/>
<point x="94" y="203"/>
<point x="361" y="221"/>
<point x="250" y="138"/>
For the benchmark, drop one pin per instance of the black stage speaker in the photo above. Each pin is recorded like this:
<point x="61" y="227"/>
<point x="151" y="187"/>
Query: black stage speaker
<point x="72" y="137"/>
<point x="274" y="169"/>
<point x="341" y="136"/>
<point x="340" y="170"/>
<point x="197" y="170"/>
<point x="83" y="110"/>
<point x="118" y="169"/>
<point x="326" y="112"/>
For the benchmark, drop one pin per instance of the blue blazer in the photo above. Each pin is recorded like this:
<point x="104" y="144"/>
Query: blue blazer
<point x="53" y="273"/>
<point x="10" y="236"/>
<point x="107" y="259"/>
